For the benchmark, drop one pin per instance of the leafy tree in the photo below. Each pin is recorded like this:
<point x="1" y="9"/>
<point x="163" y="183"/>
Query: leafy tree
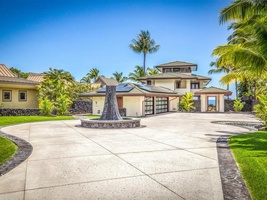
<point x="138" y="73"/>
<point x="119" y="77"/>
<point x="19" y="73"/>
<point x="187" y="103"/>
<point x="238" y="105"/>
<point x="151" y="71"/>
<point x="144" y="44"/>
<point x="63" y="103"/>
<point x="93" y="74"/>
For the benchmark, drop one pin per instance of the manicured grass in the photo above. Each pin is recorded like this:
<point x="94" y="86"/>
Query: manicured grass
<point x="8" y="120"/>
<point x="7" y="149"/>
<point x="250" y="153"/>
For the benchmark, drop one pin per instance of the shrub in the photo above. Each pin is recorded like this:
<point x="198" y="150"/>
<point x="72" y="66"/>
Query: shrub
<point x="187" y="103"/>
<point x="63" y="104"/>
<point x="46" y="106"/>
<point x="261" y="108"/>
<point x="238" y="105"/>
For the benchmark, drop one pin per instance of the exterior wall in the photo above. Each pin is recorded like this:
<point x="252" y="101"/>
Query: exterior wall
<point x="134" y="105"/>
<point x="219" y="102"/>
<point x="98" y="105"/>
<point x="168" y="83"/>
<point x="31" y="102"/>
<point x="173" y="103"/>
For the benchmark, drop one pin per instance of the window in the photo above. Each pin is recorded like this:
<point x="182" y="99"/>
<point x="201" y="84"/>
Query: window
<point x="148" y="82"/>
<point x="7" y="95"/>
<point x="177" y="84"/>
<point x="166" y="70"/>
<point x="194" y="85"/>
<point x="22" y="96"/>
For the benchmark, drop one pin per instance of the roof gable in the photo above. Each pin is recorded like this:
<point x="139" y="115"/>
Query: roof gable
<point x="213" y="90"/>
<point x="5" y="71"/>
<point x="176" y="64"/>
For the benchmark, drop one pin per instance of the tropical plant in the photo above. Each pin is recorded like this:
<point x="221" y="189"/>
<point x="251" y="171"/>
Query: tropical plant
<point x="62" y="104"/>
<point x="187" y="103"/>
<point x="238" y="105"/>
<point x="261" y="108"/>
<point x="144" y="44"/>
<point x="46" y="106"/>
<point x="151" y="71"/>
<point x="93" y="74"/>
<point x="55" y="84"/>
<point x="138" y="73"/>
<point x="119" y="77"/>
<point x="19" y="73"/>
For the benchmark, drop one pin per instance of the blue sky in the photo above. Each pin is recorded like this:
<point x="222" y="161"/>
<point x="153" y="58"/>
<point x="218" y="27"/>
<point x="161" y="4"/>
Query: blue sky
<point x="77" y="35"/>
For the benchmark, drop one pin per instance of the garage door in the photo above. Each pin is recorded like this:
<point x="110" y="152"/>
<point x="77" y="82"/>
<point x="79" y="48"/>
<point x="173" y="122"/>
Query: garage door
<point x="149" y="105"/>
<point x="162" y="104"/>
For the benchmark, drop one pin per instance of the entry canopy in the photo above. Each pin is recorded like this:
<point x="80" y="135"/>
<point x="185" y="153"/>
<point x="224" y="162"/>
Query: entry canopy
<point x="213" y="90"/>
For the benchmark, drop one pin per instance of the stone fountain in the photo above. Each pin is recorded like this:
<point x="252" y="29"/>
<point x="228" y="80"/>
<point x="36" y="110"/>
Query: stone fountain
<point x="110" y="117"/>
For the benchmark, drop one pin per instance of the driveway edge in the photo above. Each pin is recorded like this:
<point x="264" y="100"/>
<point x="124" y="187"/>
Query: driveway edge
<point x="24" y="151"/>
<point x="233" y="184"/>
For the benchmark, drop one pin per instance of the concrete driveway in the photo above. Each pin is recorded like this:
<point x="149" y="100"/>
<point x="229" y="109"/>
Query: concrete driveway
<point x="174" y="157"/>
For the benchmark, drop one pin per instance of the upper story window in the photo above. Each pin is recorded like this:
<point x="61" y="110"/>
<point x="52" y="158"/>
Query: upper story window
<point x="194" y="85"/>
<point x="166" y="70"/>
<point x="22" y="96"/>
<point x="148" y="82"/>
<point x="178" y="84"/>
<point x="7" y="95"/>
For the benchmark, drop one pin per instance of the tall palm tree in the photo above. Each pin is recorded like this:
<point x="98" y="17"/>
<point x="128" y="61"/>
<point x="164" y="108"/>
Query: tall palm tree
<point x="119" y="77"/>
<point x="138" y="73"/>
<point x="144" y="44"/>
<point x="93" y="74"/>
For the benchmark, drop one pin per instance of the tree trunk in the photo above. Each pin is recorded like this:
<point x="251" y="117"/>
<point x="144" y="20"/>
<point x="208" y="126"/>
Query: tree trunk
<point x="227" y="87"/>
<point x="236" y="92"/>
<point x="144" y="64"/>
<point x="110" y="111"/>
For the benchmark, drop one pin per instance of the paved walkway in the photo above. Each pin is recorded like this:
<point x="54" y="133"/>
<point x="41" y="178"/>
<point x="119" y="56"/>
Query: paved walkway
<point x="174" y="157"/>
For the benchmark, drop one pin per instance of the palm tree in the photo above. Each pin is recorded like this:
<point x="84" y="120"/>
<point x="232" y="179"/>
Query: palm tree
<point x="138" y="73"/>
<point x="151" y="71"/>
<point x="144" y="44"/>
<point x="93" y="74"/>
<point x="119" y="77"/>
<point x="85" y="79"/>
<point x="243" y="9"/>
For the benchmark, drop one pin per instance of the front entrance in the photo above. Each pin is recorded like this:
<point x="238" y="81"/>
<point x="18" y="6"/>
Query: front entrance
<point x="120" y="102"/>
<point x="212" y="104"/>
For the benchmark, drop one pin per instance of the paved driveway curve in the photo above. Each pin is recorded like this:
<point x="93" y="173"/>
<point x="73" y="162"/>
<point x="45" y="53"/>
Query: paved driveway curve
<point x="174" y="157"/>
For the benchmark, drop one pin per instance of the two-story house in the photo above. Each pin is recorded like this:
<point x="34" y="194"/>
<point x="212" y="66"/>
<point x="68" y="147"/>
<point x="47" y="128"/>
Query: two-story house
<point x="161" y="92"/>
<point x="178" y="77"/>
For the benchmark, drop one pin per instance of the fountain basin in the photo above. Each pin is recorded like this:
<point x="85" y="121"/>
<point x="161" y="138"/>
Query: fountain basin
<point x="97" y="123"/>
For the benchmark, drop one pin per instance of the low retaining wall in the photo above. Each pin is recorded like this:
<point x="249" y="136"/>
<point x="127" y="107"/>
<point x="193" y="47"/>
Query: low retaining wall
<point x="19" y="111"/>
<point x="248" y="106"/>
<point x="109" y="124"/>
<point x="81" y="107"/>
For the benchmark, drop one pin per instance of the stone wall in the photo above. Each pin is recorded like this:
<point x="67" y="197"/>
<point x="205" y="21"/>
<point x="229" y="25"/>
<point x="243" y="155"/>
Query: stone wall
<point x="248" y="106"/>
<point x="78" y="107"/>
<point x="197" y="104"/>
<point x="122" y="112"/>
<point x="81" y="107"/>
<point x="19" y="112"/>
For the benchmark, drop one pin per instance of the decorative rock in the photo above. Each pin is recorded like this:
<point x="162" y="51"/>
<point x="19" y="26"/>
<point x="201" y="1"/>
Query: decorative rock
<point x="96" y="123"/>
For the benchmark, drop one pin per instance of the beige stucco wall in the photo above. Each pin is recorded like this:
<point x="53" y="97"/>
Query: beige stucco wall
<point x="134" y="105"/>
<point x="219" y="103"/>
<point x="173" y="103"/>
<point x="98" y="105"/>
<point x="31" y="101"/>
<point x="168" y="83"/>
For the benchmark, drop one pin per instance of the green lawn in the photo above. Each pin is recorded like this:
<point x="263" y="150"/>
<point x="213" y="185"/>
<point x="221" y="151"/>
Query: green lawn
<point x="7" y="149"/>
<point x="8" y="120"/>
<point x="250" y="153"/>
<point x="93" y="116"/>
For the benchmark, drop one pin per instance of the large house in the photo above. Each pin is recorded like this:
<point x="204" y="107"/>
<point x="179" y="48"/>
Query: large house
<point x="17" y="92"/>
<point x="161" y="92"/>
